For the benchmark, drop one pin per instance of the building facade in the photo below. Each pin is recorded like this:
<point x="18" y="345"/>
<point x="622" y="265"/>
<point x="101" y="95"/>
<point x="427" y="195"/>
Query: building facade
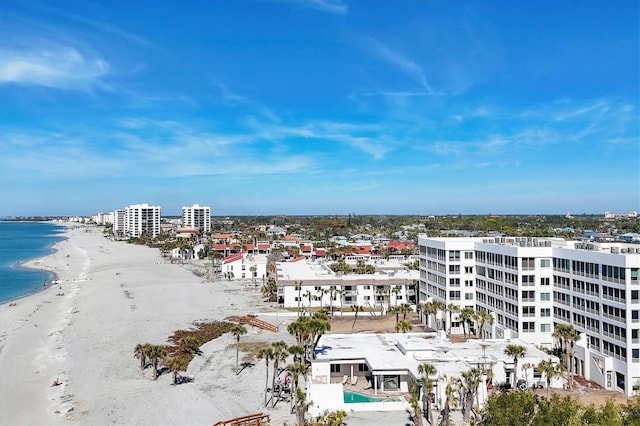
<point x="529" y="285"/>
<point x="307" y="283"/>
<point x="197" y="216"/>
<point x="142" y="219"/>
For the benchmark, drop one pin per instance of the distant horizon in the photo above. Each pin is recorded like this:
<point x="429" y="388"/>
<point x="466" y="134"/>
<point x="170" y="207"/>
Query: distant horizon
<point x="178" y="215"/>
<point x="316" y="106"/>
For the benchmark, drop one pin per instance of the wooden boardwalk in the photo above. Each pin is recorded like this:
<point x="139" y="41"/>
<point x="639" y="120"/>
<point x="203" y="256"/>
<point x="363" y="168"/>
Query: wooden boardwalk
<point x="246" y="319"/>
<point x="259" y="419"/>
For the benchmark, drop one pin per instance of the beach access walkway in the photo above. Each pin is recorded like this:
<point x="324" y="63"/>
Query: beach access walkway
<point x="253" y="321"/>
<point x="250" y="420"/>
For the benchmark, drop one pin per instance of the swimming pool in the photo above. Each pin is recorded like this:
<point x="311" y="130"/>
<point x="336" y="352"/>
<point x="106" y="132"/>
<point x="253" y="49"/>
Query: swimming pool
<point x="353" y="397"/>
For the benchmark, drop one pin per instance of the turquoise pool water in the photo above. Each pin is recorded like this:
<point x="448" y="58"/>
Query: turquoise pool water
<point x="351" y="397"/>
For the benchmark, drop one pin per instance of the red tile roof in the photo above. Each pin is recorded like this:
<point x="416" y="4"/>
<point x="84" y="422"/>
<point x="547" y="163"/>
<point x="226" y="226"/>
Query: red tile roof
<point x="250" y="247"/>
<point x="306" y="248"/>
<point x="321" y="252"/>
<point x="298" y="259"/>
<point x="232" y="258"/>
<point x="219" y="246"/>
<point x="264" y="246"/>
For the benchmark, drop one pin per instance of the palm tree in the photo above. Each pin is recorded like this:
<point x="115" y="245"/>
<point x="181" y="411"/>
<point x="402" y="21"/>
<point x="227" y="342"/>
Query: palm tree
<point x="238" y="330"/>
<point x="395" y="290"/>
<point x="516" y="352"/>
<point x="483" y="317"/>
<point x="470" y="382"/>
<point x="297" y="351"/>
<point x="296" y="370"/>
<point x="550" y="370"/>
<point x="405" y="308"/>
<point x="466" y="315"/>
<point x="301" y="406"/>
<point x="266" y="354"/>
<point x="427" y="370"/>
<point x="396" y="310"/>
<point x="279" y="355"/>
<point x="356" y="309"/>
<point x="450" y="400"/>
<point x="414" y="402"/>
<point x="176" y="364"/>
<point x="452" y="308"/>
<point x="155" y="353"/>
<point x="432" y="308"/>
<point x="403" y="326"/>
<point x="568" y="336"/>
<point x="140" y="352"/>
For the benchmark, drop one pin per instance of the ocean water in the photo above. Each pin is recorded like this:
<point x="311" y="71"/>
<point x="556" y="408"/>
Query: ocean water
<point x="19" y="242"/>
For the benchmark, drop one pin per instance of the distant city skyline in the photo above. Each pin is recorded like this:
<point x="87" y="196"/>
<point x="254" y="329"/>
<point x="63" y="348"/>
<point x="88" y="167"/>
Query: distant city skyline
<point x="320" y="107"/>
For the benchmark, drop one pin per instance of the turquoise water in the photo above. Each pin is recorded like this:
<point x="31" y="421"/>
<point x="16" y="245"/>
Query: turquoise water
<point x="352" y="397"/>
<point x="19" y="242"/>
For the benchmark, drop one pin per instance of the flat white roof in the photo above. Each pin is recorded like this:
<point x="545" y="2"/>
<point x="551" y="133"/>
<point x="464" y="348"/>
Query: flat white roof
<point x="403" y="352"/>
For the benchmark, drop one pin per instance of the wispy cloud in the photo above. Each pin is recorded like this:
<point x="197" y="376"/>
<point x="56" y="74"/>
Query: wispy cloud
<point x="338" y="7"/>
<point x="60" y="67"/>
<point x="405" y="64"/>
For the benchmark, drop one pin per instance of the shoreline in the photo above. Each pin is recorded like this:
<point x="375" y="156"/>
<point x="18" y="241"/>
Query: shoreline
<point x="51" y="275"/>
<point x="116" y="295"/>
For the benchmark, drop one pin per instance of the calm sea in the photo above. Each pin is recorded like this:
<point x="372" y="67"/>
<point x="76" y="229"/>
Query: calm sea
<point x="21" y="241"/>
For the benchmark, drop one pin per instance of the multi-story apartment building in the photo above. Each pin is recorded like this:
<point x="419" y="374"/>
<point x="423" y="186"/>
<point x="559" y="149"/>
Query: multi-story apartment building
<point x="305" y="283"/>
<point x="529" y="285"/>
<point x="118" y="221"/>
<point x="142" y="219"/>
<point x="198" y="217"/>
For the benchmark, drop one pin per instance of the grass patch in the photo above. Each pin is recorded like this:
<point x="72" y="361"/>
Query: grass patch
<point x="202" y="333"/>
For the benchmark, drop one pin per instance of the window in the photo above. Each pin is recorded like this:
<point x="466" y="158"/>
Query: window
<point x="528" y="327"/>
<point x="468" y="283"/>
<point x="363" y="367"/>
<point x="528" y="263"/>
<point x="367" y="287"/>
<point x="545" y="312"/>
<point x="528" y="280"/>
<point x="545" y="263"/>
<point x="335" y="368"/>
<point x="528" y="295"/>
<point x="545" y="328"/>
<point x="468" y="269"/>
<point x="468" y="296"/>
<point x="634" y="295"/>
<point x="544" y="281"/>
<point x="545" y="296"/>
<point x="317" y="288"/>
<point x="454" y="295"/>
<point x="454" y="282"/>
<point x="468" y="255"/>
<point x="635" y="353"/>
<point x="454" y="254"/>
<point x="454" y="269"/>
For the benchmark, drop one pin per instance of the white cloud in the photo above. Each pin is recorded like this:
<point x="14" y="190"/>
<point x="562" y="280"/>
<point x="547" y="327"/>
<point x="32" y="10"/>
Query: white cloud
<point x="406" y="65"/>
<point x="59" y="67"/>
<point x="338" y="7"/>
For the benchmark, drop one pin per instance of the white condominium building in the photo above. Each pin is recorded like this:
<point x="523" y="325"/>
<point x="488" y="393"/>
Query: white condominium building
<point x="305" y="283"/>
<point x="197" y="216"/>
<point x="142" y="219"/>
<point x="529" y="285"/>
<point x="118" y="221"/>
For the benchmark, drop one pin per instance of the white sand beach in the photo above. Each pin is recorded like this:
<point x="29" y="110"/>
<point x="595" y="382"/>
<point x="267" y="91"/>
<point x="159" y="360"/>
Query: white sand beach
<point x="82" y="332"/>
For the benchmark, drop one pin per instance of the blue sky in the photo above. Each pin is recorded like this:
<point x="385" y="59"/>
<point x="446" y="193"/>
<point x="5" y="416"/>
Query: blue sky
<point x="320" y="106"/>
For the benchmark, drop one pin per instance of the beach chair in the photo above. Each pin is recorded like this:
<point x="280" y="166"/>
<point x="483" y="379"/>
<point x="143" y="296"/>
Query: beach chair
<point x="345" y="379"/>
<point x="354" y="380"/>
